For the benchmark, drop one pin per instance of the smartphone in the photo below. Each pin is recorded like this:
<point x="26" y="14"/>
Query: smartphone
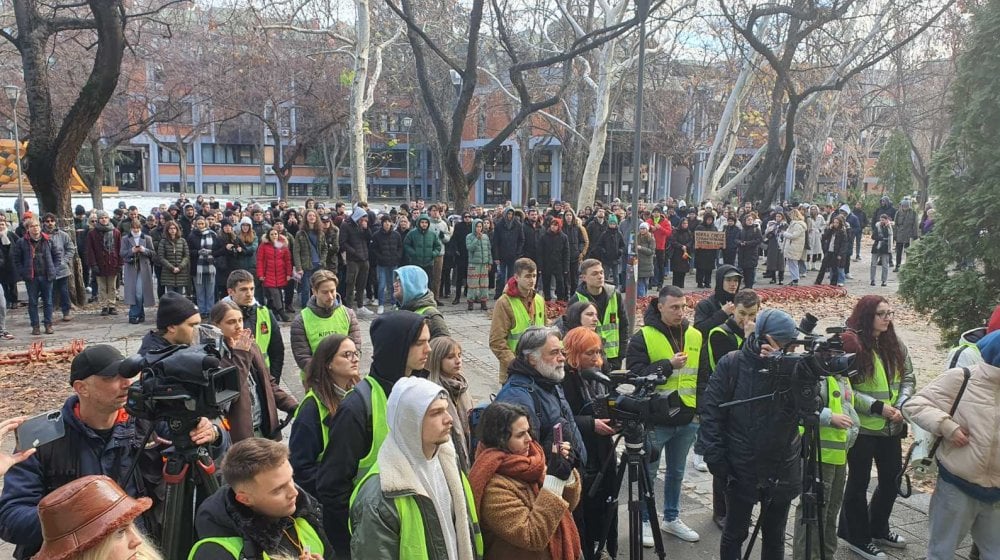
<point x="557" y="436"/>
<point x="39" y="430"/>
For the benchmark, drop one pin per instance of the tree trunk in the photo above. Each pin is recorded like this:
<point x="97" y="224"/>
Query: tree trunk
<point x="182" y="166"/>
<point x="768" y="178"/>
<point x="729" y="124"/>
<point x="362" y="44"/>
<point x="96" y="193"/>
<point x="599" y="135"/>
<point x="819" y="141"/>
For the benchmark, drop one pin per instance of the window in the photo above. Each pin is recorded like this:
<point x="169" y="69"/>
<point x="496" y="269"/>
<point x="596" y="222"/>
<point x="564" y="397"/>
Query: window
<point x="544" y="191"/>
<point x="238" y="154"/>
<point x="175" y="187"/>
<point x="171" y="156"/>
<point x="497" y="192"/>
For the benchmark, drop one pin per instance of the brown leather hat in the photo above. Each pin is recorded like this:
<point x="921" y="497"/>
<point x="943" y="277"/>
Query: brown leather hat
<point x="77" y="516"/>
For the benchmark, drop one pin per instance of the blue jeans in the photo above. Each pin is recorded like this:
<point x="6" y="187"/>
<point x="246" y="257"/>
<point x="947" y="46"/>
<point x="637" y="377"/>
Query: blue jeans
<point x="204" y="288"/>
<point x="305" y="287"/>
<point x="673" y="443"/>
<point x="641" y="287"/>
<point x="39" y="287"/>
<point x="136" y="310"/>
<point x="385" y="284"/>
<point x="857" y="243"/>
<point x="61" y="286"/>
<point x="504" y="271"/>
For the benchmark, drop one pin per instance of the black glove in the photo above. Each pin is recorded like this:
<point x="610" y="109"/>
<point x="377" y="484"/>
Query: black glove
<point x="558" y="466"/>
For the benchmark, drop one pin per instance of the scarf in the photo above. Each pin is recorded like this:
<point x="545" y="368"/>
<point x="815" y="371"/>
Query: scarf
<point x="206" y="263"/>
<point x="530" y="470"/>
<point x="459" y="403"/>
<point x="4" y="236"/>
<point x="109" y="236"/>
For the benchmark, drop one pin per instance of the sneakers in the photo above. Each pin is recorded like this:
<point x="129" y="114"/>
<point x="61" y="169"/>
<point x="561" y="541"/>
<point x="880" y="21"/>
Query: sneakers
<point x="892" y="540"/>
<point x="4" y="335"/>
<point x="363" y="312"/>
<point x="868" y="552"/>
<point x="48" y="329"/>
<point x="647" y="535"/>
<point x="381" y="309"/>
<point x="699" y="463"/>
<point x="849" y="277"/>
<point x="678" y="529"/>
<point x="67" y="317"/>
<point x="36" y="331"/>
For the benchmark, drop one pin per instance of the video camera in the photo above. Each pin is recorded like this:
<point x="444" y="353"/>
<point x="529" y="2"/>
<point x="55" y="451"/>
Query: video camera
<point x="633" y="399"/>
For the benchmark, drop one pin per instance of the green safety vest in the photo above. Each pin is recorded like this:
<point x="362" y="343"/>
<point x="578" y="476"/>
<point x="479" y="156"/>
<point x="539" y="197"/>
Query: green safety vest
<point x="308" y="539"/>
<point x="608" y="326"/>
<point x="380" y="427"/>
<point x="878" y="388"/>
<point x="684" y="380"/>
<point x="833" y="441"/>
<point x="324" y="413"/>
<point x="262" y="332"/>
<point x="521" y="319"/>
<point x="712" y="361"/>
<point x="317" y="328"/>
<point x="412" y="536"/>
<point x="963" y="346"/>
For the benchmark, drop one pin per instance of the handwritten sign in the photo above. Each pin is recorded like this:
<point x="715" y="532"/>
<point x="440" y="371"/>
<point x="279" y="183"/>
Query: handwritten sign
<point x="709" y="239"/>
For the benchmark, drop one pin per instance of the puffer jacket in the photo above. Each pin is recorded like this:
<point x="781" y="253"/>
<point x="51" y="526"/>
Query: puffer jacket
<point x="479" y="249"/>
<point x="755" y="443"/>
<point x="300" y="342"/>
<point x="387" y="247"/>
<point x="23" y="253"/>
<point x="274" y="266"/>
<point x="172" y="253"/>
<point x="794" y="240"/>
<point x="661" y="230"/>
<point x="553" y="252"/>
<point x="435" y="320"/>
<point x="63" y="243"/>
<point x="905" y="225"/>
<point x="303" y="250"/>
<point x="579" y="242"/>
<point x="646" y="247"/>
<point x="354" y="241"/>
<point x="977" y="412"/>
<point x="421" y="247"/>
<point x="508" y="238"/>
<point x="748" y="241"/>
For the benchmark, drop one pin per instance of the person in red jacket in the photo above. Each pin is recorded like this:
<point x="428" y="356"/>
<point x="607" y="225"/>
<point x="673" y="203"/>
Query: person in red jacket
<point x="660" y="227"/>
<point x="103" y="243"/>
<point x="274" y="268"/>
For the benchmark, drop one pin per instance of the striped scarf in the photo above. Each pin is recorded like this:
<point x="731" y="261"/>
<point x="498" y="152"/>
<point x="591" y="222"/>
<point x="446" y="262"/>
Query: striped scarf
<point x="206" y="263"/>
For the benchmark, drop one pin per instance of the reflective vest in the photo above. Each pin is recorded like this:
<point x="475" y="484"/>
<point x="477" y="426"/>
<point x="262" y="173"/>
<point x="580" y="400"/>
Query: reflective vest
<point x="712" y="361"/>
<point x="377" y="403"/>
<point x="262" y="332"/>
<point x="877" y="388"/>
<point x="324" y="413"/>
<point x="521" y="319"/>
<point x="317" y="328"/>
<point x="308" y="539"/>
<point x="684" y="380"/>
<point x="833" y="441"/>
<point x="965" y="346"/>
<point x="608" y="327"/>
<point x="412" y="537"/>
<point x="421" y="310"/>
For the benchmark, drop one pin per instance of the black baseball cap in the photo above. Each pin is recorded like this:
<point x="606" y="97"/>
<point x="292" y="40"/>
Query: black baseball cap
<point x="101" y="359"/>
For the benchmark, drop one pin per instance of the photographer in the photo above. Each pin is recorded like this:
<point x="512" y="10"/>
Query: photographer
<point x="754" y="446"/>
<point x="101" y="438"/>
<point x="668" y="345"/>
<point x="884" y="381"/>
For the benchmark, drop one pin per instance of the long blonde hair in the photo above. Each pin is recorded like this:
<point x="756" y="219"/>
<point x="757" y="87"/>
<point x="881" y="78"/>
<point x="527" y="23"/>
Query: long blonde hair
<point x="441" y="347"/>
<point x="102" y="550"/>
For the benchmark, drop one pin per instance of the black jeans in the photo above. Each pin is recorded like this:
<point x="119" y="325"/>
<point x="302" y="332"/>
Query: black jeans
<point x="679" y="279"/>
<point x="719" y="496"/>
<point x="773" y="517"/>
<point x="661" y="263"/>
<point x="703" y="276"/>
<point x="899" y="253"/>
<point x="860" y="521"/>
<point x="547" y="276"/>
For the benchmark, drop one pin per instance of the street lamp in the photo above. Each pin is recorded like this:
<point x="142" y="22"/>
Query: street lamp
<point x="13" y="94"/>
<point x="407" y="123"/>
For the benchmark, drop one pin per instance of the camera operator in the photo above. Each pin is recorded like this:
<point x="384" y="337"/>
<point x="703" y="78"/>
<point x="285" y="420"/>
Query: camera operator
<point x="754" y="446"/>
<point x="177" y="321"/>
<point x="101" y="438"/>
<point x="668" y="345"/>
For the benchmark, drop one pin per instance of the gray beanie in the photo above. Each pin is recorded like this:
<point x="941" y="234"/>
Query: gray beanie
<point x="776" y="323"/>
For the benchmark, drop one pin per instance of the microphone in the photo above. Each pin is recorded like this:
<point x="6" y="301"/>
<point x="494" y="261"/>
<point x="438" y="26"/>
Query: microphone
<point x="593" y="374"/>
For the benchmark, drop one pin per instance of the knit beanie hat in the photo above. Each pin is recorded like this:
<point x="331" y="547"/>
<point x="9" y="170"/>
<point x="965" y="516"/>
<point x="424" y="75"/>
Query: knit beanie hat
<point x="989" y="348"/>
<point x="358" y="214"/>
<point x="174" y="309"/>
<point x="776" y="323"/>
<point x="613" y="219"/>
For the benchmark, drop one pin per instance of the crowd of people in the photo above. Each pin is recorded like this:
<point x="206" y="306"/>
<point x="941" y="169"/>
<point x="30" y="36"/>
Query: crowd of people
<point x="399" y="461"/>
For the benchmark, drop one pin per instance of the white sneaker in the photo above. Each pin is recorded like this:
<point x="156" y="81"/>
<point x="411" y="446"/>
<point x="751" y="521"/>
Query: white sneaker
<point x="363" y="312"/>
<point x="699" y="463"/>
<point x="849" y="277"/>
<point x="381" y="309"/>
<point x="647" y="535"/>
<point x="678" y="529"/>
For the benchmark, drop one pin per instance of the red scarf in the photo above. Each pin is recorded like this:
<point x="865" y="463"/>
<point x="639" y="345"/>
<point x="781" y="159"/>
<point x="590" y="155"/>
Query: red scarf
<point x="528" y="469"/>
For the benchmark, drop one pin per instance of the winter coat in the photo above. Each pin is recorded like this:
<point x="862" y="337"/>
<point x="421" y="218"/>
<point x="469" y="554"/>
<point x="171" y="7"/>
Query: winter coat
<point x="304" y="247"/>
<point x="708" y="314"/>
<point x="772" y="234"/>
<point x="456" y="245"/>
<point x="681" y="240"/>
<point x="754" y="444"/>
<point x="271" y="397"/>
<point x="421" y="247"/>
<point x="225" y="258"/>
<point x="609" y="247"/>
<point x="578" y="239"/>
<point x="888" y="210"/>
<point x="9" y="273"/>
<point x="905" y="225"/>
<point x="839" y="238"/>
<point x="646" y="247"/>
<point x="274" y="266"/>
<point x="172" y="253"/>
<point x="532" y="235"/>
<point x="137" y="269"/>
<point x="816" y="227"/>
<point x="23" y="253"/>
<point x="222" y="516"/>
<point x="387" y="247"/>
<point x="704" y="259"/>
<point x="508" y="238"/>
<point x="106" y="262"/>
<point x="793" y="240"/>
<point x="882" y="239"/>
<point x="594" y="231"/>
<point x="300" y="342"/>
<point x="478" y="249"/>
<point x="63" y="243"/>
<point x="748" y="241"/>
<point x="247" y="260"/>
<point x="553" y="252"/>
<point x="977" y="462"/>
<point x="435" y="319"/>
<point x="661" y="232"/>
<point x="332" y="238"/>
<point x="354" y="241"/>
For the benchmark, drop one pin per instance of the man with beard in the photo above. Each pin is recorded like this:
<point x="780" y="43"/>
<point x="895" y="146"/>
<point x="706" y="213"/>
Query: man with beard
<point x="534" y="382"/>
<point x="361" y="425"/>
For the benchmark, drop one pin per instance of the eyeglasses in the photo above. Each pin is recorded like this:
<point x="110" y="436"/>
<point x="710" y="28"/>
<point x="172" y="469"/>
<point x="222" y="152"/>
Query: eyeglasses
<point x="885" y="314"/>
<point x="348" y="355"/>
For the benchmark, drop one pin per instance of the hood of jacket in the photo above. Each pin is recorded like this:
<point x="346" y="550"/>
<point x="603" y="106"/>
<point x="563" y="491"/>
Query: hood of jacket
<point x="424" y="218"/>
<point x="989" y="348"/>
<point x="512" y="290"/>
<point x="559" y="227"/>
<point x="721" y="295"/>
<point x="972" y="336"/>
<point x="405" y="410"/>
<point x="322" y="311"/>
<point x="391" y="332"/>
<point x="413" y="280"/>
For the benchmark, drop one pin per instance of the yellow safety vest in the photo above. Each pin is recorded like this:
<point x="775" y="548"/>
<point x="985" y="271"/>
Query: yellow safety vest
<point x="684" y="380"/>
<point x="412" y="536"/>
<point x="324" y="413"/>
<point x="712" y="361"/>
<point x="521" y="319"/>
<point x="317" y="328"/>
<point x="608" y="326"/>
<point x="833" y="441"/>
<point x="878" y="388"/>
<point x="380" y="427"/>
<point x="308" y="538"/>
<point x="262" y="332"/>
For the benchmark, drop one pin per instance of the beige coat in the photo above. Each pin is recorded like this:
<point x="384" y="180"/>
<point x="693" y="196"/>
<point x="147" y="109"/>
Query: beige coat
<point x="793" y="241"/>
<point x="978" y="412"/>
<point x="517" y="524"/>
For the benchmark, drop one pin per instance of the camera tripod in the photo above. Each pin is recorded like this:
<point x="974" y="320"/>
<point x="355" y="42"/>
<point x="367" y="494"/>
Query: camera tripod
<point x="189" y="476"/>
<point x="640" y="492"/>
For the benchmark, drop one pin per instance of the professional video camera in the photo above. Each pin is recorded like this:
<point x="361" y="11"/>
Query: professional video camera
<point x="180" y="384"/>
<point x="632" y="399"/>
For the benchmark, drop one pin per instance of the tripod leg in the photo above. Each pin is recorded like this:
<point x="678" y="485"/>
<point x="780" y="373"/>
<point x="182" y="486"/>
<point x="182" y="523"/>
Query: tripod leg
<point x="820" y="490"/>
<point x="176" y="540"/>
<point x="646" y="489"/>
<point x="757" y="526"/>
<point x="612" y="504"/>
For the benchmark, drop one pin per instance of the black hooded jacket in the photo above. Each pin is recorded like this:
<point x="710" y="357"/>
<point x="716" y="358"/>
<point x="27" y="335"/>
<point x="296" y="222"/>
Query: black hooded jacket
<point x="708" y="314"/>
<point x="222" y="516"/>
<point x="351" y="426"/>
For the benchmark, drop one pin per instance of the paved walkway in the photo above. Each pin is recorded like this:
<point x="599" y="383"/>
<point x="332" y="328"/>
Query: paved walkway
<point x="471" y="329"/>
